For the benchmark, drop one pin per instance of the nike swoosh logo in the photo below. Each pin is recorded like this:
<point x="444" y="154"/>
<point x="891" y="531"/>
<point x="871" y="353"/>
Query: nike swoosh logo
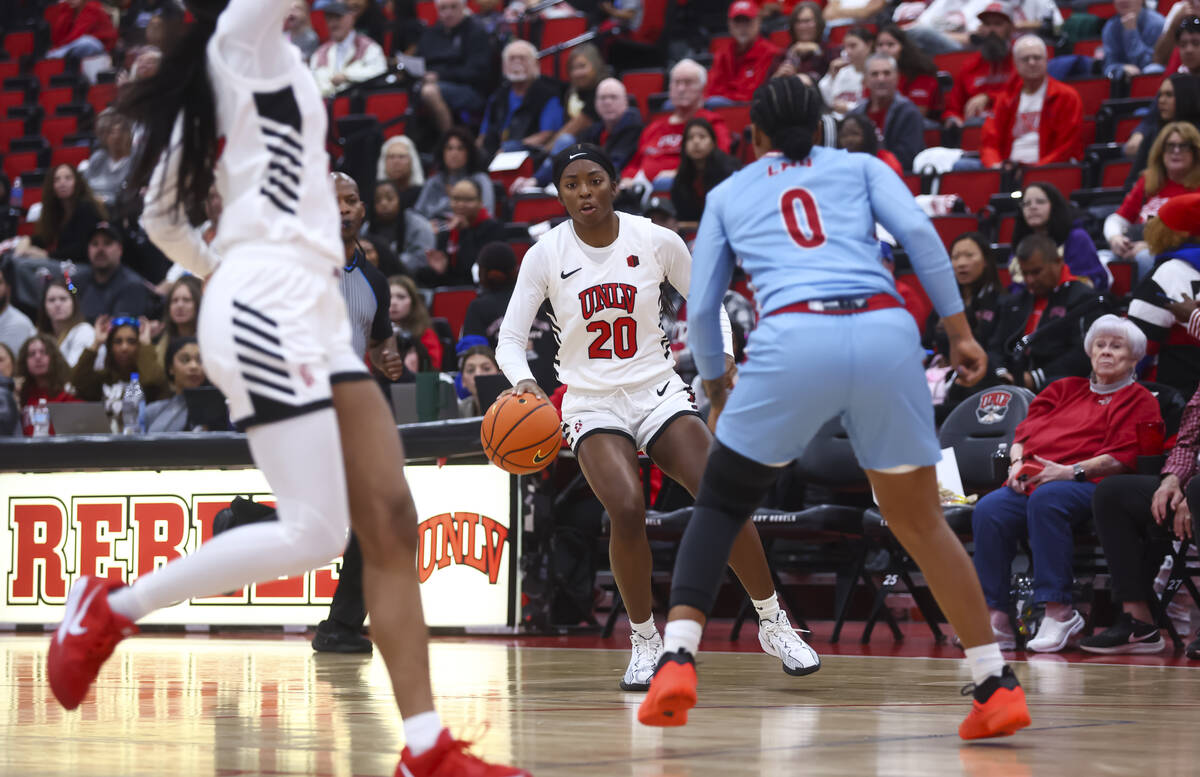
<point x="538" y="458"/>
<point x="565" y="275"/>
<point x="576" y="156"/>
<point x="663" y="390"/>
<point x="74" y="616"/>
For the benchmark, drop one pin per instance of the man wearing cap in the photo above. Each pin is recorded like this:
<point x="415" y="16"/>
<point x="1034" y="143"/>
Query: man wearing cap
<point x="740" y="66"/>
<point x="984" y="77"/>
<point x="107" y="287"/>
<point x="897" y="119"/>
<point x="1038" y="120"/>
<point x="1129" y="38"/>
<point x="348" y="57"/>
<point x="661" y="211"/>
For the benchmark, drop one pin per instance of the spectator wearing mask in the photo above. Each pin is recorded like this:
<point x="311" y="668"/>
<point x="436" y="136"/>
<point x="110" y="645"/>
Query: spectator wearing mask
<point x="1078" y="432"/>
<point x="349" y="57"/>
<point x="184" y="370"/>
<point x="661" y="142"/>
<point x="107" y="287"/>
<point x="858" y="134"/>
<point x="525" y="111"/>
<point x="408" y="234"/>
<point x="297" y="28"/>
<point x="15" y="326"/>
<point x="1164" y="305"/>
<point x="703" y="166"/>
<point x="79" y="28"/>
<point x="1178" y="99"/>
<point x="1172" y="169"/>
<point x="899" y="121"/>
<point x="70" y="212"/>
<point x="986" y="76"/>
<point x="468" y="230"/>
<point x="476" y="360"/>
<point x="805" y="54"/>
<point x="918" y="74"/>
<point x="457" y="158"/>
<point x="59" y="317"/>
<point x="1129" y="38"/>
<point x="744" y="63"/>
<point x="497" y="278"/>
<point x="182" y="316"/>
<point x="842" y="85"/>
<point x="410" y="318"/>
<point x="1051" y="293"/>
<point x="43" y="374"/>
<point x="1044" y="211"/>
<point x="400" y="163"/>
<point x="108" y="166"/>
<point x="458" y="62"/>
<point x="127" y="349"/>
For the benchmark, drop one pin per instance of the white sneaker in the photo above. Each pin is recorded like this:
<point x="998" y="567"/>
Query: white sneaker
<point x="1054" y="635"/>
<point x="643" y="662"/>
<point x="779" y="639"/>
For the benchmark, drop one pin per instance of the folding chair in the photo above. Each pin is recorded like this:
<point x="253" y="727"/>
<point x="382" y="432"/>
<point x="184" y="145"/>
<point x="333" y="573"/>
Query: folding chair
<point x="1183" y="569"/>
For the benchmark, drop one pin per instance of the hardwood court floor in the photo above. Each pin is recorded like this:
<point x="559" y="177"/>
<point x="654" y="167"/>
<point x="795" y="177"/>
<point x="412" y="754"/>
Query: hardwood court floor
<point x="195" y="705"/>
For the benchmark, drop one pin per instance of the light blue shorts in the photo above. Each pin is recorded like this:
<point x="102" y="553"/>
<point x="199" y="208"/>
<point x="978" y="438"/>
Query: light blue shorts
<point x="806" y="368"/>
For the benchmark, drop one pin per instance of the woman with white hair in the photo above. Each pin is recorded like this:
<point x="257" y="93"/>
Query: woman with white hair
<point x="400" y="163"/>
<point x="1078" y="432"/>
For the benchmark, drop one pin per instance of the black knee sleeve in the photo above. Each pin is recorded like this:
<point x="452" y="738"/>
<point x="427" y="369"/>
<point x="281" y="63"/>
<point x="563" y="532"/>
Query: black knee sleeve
<point x="732" y="488"/>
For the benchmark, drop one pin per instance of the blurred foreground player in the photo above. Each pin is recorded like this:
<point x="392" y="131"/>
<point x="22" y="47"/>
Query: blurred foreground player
<point x="276" y="340"/>
<point x="793" y="219"/>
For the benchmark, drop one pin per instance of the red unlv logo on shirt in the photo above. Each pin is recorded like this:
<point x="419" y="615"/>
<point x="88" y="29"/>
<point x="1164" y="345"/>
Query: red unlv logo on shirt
<point x="993" y="406"/>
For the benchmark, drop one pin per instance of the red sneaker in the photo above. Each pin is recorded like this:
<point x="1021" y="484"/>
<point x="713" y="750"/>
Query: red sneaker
<point x="449" y="758"/>
<point x="672" y="691"/>
<point x="85" y="639"/>
<point x="999" y="709"/>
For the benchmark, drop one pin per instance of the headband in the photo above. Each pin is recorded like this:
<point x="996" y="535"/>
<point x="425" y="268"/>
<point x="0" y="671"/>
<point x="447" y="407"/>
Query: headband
<point x="582" y="151"/>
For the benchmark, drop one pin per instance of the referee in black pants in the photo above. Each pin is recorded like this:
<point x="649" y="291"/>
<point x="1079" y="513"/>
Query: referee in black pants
<point x="367" y="297"/>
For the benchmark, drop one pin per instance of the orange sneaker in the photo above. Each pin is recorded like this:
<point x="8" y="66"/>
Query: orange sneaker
<point x="672" y="691"/>
<point x="999" y="709"/>
<point x="449" y="758"/>
<point x="85" y="639"/>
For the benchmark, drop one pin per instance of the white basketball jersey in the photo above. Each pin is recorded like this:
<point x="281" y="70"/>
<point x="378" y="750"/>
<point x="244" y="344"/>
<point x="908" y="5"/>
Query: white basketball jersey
<point x="273" y="173"/>
<point x="605" y="305"/>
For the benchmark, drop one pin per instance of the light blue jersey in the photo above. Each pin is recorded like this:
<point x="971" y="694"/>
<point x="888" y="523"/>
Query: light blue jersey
<point x="806" y="231"/>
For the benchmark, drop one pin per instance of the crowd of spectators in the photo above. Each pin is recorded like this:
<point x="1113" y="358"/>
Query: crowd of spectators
<point x="86" y="299"/>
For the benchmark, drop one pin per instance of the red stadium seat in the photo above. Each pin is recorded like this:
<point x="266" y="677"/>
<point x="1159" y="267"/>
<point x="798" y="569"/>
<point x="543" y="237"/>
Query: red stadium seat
<point x="972" y="138"/>
<point x="100" y="96"/>
<point x="386" y="105"/>
<point x="654" y="18"/>
<point x="1087" y="48"/>
<point x="562" y="29"/>
<point x="737" y="117"/>
<point x="1065" y="177"/>
<point x="506" y="177"/>
<point x="953" y="61"/>
<point x="1125" y="128"/>
<point x="10" y="130"/>
<point x="1093" y="91"/>
<point x="1102" y="10"/>
<point x="913" y="182"/>
<point x="933" y="137"/>
<point x="1122" y="271"/>
<point x="341" y="108"/>
<point x="20" y="163"/>
<point x="536" y="208"/>
<point x="641" y="84"/>
<point x="427" y="12"/>
<point x="450" y="303"/>
<point x="1146" y="86"/>
<point x="950" y="227"/>
<point x="19" y="44"/>
<point x="51" y="99"/>
<point x="1115" y="172"/>
<point x="10" y="100"/>
<point x="70" y="155"/>
<point x="10" y="69"/>
<point x="1005" y="232"/>
<point x="47" y="69"/>
<point x="56" y="128"/>
<point x="33" y="195"/>
<point x="974" y="187"/>
<point x="320" y="25"/>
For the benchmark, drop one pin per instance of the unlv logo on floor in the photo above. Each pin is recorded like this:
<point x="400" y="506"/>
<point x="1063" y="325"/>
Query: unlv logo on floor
<point x="993" y="406"/>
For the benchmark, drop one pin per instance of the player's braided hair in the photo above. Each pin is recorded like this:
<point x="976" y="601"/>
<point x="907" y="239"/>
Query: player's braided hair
<point x="788" y="111"/>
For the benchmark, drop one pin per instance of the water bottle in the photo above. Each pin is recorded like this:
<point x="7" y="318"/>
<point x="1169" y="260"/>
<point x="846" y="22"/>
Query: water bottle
<point x="133" y="406"/>
<point x="41" y="419"/>
<point x="1000" y="463"/>
<point x="16" y="195"/>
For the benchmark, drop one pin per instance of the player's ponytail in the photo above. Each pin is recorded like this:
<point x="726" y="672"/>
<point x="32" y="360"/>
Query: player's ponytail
<point x="180" y="86"/>
<point x="788" y="111"/>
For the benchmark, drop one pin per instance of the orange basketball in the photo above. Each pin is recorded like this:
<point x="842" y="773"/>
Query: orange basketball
<point x="520" y="433"/>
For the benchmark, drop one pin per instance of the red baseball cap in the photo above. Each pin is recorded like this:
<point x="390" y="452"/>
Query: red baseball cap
<point x="745" y="8"/>
<point x="1182" y="214"/>
<point x="1003" y="9"/>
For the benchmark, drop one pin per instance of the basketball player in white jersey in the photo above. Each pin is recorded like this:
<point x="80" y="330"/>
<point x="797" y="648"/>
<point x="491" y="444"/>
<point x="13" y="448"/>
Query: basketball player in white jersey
<point x="601" y="272"/>
<point x="276" y="341"/>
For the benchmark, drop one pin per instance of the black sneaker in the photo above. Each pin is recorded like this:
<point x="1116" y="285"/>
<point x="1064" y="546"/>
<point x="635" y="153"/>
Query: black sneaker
<point x="1127" y="635"/>
<point x="332" y="637"/>
<point x="1193" y="649"/>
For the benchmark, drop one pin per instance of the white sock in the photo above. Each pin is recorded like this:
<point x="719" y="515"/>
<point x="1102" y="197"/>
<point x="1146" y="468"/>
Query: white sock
<point x="682" y="635"/>
<point x="125" y="601"/>
<point x="767" y="608"/>
<point x="421" y="732"/>
<point x="645" y="630"/>
<point x="985" y="661"/>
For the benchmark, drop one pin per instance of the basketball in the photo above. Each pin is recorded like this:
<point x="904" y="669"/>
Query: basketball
<point x="520" y="433"/>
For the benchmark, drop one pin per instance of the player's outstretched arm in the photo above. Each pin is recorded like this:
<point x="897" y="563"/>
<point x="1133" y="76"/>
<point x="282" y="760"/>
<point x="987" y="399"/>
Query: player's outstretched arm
<point x="528" y="295"/>
<point x="166" y="225"/>
<point x="250" y="37"/>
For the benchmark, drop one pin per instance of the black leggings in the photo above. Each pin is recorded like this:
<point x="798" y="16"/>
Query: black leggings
<point x="1133" y="543"/>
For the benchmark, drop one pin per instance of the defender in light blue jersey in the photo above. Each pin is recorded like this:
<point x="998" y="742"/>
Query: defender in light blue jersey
<point x="833" y="341"/>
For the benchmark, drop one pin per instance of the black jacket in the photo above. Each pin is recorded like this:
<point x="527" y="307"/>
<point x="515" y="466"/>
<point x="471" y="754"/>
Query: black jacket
<point x="622" y="142"/>
<point x="1057" y="347"/>
<point x="74" y="235"/>
<point x="470" y="241"/>
<point x="688" y="202"/>
<point x="983" y="314"/>
<point x="525" y="120"/>
<point x="462" y="55"/>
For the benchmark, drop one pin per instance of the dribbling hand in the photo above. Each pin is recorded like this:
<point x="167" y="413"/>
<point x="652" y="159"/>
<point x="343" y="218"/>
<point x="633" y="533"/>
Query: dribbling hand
<point x="526" y="387"/>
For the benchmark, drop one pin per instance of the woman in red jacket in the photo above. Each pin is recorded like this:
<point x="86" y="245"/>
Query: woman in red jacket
<point x="79" y="28"/>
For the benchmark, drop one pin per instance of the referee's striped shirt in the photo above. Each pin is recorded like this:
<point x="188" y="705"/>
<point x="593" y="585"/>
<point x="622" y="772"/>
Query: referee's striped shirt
<point x="367" y="299"/>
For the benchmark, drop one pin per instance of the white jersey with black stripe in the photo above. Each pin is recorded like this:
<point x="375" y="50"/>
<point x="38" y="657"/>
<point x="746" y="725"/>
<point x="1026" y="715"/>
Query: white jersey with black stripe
<point x="273" y="173"/>
<point x="605" y="305"/>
